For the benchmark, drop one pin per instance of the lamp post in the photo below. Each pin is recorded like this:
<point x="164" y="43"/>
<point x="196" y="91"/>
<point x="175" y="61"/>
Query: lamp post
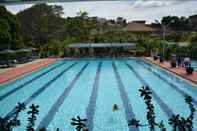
<point x="164" y="35"/>
<point x="164" y="39"/>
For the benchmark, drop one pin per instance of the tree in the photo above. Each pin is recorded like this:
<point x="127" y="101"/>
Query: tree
<point x="193" y="47"/>
<point x="177" y="122"/>
<point x="10" y="35"/>
<point x="80" y="26"/>
<point x="121" y="21"/>
<point x="177" y="24"/>
<point x="16" y="42"/>
<point x="193" y="20"/>
<point x="5" y="36"/>
<point x="42" y="22"/>
<point x="82" y="15"/>
<point x="55" y="47"/>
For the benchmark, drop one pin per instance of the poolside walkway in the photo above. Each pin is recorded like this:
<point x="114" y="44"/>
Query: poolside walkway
<point x="13" y="73"/>
<point x="178" y="71"/>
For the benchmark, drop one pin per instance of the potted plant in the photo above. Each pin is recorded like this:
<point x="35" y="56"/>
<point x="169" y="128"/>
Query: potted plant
<point x="173" y="64"/>
<point x="161" y="59"/>
<point x="155" y="57"/>
<point x="189" y="70"/>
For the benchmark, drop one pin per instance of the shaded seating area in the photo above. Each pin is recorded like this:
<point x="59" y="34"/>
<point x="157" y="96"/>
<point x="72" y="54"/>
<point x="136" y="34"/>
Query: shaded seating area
<point x="100" y="49"/>
<point x="9" y="58"/>
<point x="6" y="58"/>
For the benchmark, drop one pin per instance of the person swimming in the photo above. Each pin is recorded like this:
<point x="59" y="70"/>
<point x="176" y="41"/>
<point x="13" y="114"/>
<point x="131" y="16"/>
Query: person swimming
<point x="115" y="107"/>
<point x="85" y="129"/>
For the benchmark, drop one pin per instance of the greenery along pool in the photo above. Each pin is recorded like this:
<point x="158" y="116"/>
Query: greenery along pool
<point x="90" y="87"/>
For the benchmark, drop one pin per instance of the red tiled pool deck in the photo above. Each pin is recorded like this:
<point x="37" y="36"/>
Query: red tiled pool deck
<point x="178" y="70"/>
<point x="12" y="74"/>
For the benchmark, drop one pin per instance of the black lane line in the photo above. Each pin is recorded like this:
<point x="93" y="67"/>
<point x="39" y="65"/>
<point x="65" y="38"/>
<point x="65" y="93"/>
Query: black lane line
<point x="28" y="82"/>
<point x="90" y="110"/>
<point x="125" y="99"/>
<point x="163" y="105"/>
<point x="173" y="86"/>
<point x="55" y="107"/>
<point x="40" y="90"/>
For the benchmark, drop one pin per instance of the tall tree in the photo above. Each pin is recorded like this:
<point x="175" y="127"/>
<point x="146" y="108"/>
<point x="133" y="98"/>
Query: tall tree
<point x="176" y="23"/>
<point x="193" y="20"/>
<point x="10" y="35"/>
<point x="42" y="22"/>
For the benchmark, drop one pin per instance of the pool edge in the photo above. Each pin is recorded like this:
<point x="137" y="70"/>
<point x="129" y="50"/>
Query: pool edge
<point x="20" y="76"/>
<point x="193" y="83"/>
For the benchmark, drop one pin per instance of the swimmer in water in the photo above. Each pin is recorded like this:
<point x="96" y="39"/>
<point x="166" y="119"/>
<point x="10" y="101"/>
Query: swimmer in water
<point x="115" y="107"/>
<point x="85" y="129"/>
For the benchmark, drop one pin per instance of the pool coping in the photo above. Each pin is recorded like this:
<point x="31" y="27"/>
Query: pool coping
<point x="193" y="83"/>
<point x="39" y="67"/>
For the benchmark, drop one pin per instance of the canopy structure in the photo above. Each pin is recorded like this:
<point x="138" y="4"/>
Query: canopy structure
<point x="24" y="50"/>
<point x="103" y="45"/>
<point x="32" y="49"/>
<point x="100" y="49"/>
<point x="7" y="51"/>
<point x="180" y="44"/>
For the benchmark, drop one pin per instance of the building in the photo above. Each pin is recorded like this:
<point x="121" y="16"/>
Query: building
<point x="140" y="28"/>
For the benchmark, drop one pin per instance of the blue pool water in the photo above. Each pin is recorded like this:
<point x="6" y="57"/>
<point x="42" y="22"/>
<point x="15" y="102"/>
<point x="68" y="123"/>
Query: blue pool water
<point x="194" y="64"/>
<point x="90" y="87"/>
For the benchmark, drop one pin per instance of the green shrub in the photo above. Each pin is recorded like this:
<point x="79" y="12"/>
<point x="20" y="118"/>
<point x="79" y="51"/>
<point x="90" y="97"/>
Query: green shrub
<point x="177" y="122"/>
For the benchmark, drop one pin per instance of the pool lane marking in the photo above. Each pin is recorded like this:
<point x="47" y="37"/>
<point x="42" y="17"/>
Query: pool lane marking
<point x="163" y="105"/>
<point x="125" y="99"/>
<point x="173" y="86"/>
<point x="90" y="110"/>
<point x="55" y="107"/>
<point x="40" y="90"/>
<point x="29" y="81"/>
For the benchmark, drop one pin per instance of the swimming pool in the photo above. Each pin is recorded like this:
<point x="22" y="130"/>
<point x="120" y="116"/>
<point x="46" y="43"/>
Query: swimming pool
<point x="194" y="64"/>
<point x="90" y="87"/>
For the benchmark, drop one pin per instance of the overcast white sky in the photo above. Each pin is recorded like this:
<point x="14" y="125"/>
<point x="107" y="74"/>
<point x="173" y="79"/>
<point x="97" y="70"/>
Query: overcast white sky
<point x="149" y="10"/>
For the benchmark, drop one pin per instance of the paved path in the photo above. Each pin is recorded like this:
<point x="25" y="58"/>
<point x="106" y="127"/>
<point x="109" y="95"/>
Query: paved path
<point x="14" y="73"/>
<point x="178" y="70"/>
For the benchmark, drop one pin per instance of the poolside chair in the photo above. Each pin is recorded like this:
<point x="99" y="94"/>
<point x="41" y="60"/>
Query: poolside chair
<point x="3" y="64"/>
<point x="7" y="63"/>
<point x="187" y="62"/>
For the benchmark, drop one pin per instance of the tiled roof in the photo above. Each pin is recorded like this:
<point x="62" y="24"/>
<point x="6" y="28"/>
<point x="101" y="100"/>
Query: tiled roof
<point x="138" y="27"/>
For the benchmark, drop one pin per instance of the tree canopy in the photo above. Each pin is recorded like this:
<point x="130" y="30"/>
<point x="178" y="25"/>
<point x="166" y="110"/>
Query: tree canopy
<point x="44" y="27"/>
<point x="177" y="23"/>
<point x="41" y="22"/>
<point x="10" y="36"/>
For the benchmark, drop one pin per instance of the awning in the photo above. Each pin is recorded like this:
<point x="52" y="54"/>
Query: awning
<point x="102" y="45"/>
<point x="24" y="50"/>
<point x="180" y="44"/>
<point x="7" y="51"/>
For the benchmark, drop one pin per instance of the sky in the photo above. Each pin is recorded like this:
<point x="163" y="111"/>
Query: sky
<point x="149" y="10"/>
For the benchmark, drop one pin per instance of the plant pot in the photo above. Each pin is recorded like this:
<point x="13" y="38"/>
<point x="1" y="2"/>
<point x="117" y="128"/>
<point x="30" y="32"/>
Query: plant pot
<point x="189" y="70"/>
<point x="161" y="60"/>
<point x="173" y="64"/>
<point x="155" y="58"/>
